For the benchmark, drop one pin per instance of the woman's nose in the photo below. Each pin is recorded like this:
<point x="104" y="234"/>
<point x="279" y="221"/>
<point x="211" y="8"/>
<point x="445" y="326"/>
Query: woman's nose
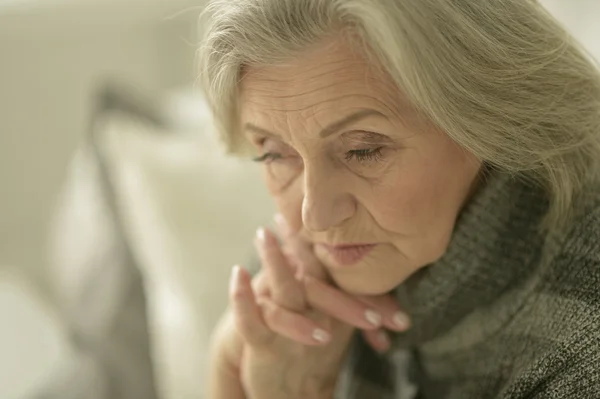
<point x="326" y="204"/>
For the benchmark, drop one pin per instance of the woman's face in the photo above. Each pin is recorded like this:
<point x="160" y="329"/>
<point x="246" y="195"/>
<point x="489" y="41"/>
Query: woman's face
<point x="353" y="166"/>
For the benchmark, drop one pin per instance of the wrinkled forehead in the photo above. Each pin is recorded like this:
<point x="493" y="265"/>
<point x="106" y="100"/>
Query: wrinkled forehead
<point x="330" y="74"/>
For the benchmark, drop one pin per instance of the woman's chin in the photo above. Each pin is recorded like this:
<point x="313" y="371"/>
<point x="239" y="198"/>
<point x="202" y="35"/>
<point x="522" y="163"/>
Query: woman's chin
<point x="359" y="284"/>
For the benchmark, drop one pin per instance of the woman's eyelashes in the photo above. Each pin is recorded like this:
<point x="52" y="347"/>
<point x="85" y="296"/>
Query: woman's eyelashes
<point x="268" y="157"/>
<point x="362" y="155"/>
<point x="365" y="155"/>
<point x="271" y="150"/>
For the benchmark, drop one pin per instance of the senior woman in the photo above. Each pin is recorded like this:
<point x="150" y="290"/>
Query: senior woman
<point x="444" y="153"/>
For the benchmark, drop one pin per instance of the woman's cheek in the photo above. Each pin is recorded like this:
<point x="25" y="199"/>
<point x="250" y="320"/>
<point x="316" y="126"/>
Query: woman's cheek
<point x="398" y="203"/>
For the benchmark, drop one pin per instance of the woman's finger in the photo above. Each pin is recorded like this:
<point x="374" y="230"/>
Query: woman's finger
<point x="260" y="285"/>
<point x="339" y="305"/>
<point x="378" y="340"/>
<point x="291" y="325"/>
<point x="394" y="318"/>
<point x="285" y="290"/>
<point x="246" y="311"/>
<point x="285" y="234"/>
<point x="300" y="250"/>
<point x="282" y="226"/>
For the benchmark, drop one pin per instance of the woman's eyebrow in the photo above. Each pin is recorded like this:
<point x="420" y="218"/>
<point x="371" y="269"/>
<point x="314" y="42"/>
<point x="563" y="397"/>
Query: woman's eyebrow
<point x="328" y="130"/>
<point x="352" y="118"/>
<point x="260" y="130"/>
<point x="361" y="137"/>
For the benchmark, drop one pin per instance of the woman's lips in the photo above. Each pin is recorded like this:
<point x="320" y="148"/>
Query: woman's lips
<point x="346" y="255"/>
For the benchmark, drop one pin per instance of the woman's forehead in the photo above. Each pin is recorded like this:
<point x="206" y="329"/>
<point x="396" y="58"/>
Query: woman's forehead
<point x="315" y="110"/>
<point x="315" y="77"/>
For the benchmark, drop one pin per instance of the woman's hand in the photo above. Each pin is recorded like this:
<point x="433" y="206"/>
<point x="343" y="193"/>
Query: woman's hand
<point x="297" y="347"/>
<point x="277" y="340"/>
<point x="272" y="364"/>
<point x="251" y="359"/>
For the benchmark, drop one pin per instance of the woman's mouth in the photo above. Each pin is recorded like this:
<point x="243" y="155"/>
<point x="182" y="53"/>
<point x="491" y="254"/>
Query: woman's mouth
<point x="347" y="254"/>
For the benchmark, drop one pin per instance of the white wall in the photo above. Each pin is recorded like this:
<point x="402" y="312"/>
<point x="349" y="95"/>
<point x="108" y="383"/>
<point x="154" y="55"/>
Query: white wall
<point x="582" y="19"/>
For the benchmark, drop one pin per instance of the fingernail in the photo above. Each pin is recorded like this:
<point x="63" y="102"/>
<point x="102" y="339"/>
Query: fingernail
<point x="321" y="336"/>
<point x="401" y="320"/>
<point x="260" y="234"/>
<point x="235" y="276"/>
<point x="373" y="317"/>
<point x="384" y="341"/>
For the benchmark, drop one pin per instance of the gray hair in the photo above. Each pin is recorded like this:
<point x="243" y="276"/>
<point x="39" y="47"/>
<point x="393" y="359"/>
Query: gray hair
<point x="502" y="78"/>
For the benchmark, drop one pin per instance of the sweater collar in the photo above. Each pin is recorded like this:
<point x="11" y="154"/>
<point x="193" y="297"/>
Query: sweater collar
<point x="495" y="245"/>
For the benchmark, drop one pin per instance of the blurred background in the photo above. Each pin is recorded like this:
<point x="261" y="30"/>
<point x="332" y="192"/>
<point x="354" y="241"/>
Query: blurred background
<point x="115" y="198"/>
<point x="54" y="57"/>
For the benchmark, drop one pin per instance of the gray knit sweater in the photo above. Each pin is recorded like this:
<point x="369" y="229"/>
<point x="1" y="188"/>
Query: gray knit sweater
<point x="508" y="312"/>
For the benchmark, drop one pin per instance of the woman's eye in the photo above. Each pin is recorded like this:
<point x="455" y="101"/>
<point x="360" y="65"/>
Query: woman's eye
<point x="268" y="157"/>
<point x="365" y="155"/>
<point x="281" y="167"/>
